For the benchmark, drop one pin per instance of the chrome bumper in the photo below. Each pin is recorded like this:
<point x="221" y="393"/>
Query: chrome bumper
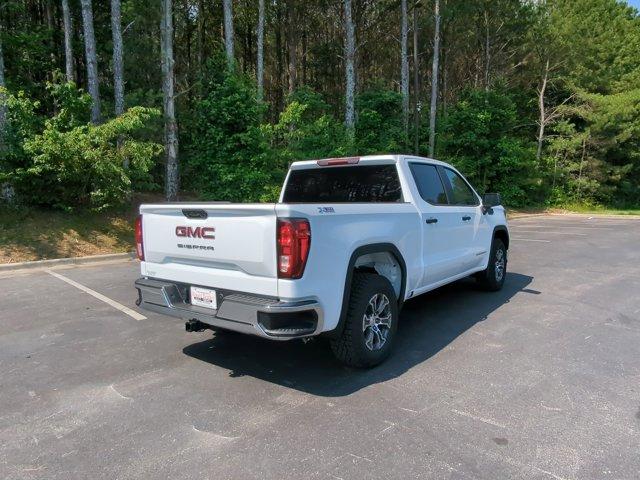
<point x="241" y="312"/>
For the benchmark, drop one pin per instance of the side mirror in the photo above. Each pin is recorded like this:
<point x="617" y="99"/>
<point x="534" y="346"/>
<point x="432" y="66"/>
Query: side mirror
<point x="490" y="200"/>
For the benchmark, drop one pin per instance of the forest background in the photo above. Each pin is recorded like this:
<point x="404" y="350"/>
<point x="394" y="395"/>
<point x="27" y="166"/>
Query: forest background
<point x="106" y="102"/>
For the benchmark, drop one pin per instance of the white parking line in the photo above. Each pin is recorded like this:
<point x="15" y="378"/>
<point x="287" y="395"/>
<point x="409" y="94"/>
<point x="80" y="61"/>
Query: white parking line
<point x="118" y="306"/>
<point x="526" y="225"/>
<point x="530" y="240"/>
<point x="553" y="233"/>
<point x="603" y="225"/>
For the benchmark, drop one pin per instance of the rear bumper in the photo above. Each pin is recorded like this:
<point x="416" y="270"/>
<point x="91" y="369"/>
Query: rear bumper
<point x="263" y="316"/>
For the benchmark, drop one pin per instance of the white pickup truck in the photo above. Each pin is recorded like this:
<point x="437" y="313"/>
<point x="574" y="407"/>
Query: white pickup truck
<point x="348" y="242"/>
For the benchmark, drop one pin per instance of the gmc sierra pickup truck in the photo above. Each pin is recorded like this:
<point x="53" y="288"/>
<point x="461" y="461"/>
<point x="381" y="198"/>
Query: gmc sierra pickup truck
<point x="348" y="242"/>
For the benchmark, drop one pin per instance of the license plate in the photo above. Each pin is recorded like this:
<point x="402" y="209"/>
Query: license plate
<point x="203" y="297"/>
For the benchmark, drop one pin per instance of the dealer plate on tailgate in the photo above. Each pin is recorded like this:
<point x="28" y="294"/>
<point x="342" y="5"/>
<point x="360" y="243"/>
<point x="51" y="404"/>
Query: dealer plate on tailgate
<point x="203" y="297"/>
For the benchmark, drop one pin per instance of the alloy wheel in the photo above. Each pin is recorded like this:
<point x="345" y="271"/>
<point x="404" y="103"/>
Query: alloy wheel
<point x="376" y="322"/>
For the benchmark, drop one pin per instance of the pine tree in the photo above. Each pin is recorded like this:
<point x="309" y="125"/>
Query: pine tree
<point x="168" y="86"/>
<point x="92" y="62"/>
<point x="68" y="35"/>
<point x="350" y="76"/>
<point x="118" y="80"/>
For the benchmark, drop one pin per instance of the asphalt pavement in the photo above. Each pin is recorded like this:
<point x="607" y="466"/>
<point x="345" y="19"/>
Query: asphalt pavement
<point x="538" y="381"/>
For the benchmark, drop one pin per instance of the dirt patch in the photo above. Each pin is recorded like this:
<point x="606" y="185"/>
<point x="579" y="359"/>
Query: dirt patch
<point x="42" y="235"/>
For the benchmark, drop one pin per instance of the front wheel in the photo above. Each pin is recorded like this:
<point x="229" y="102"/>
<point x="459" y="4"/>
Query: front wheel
<point x="371" y="322"/>
<point x="493" y="277"/>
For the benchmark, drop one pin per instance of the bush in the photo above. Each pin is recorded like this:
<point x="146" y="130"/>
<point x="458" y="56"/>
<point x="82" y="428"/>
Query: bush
<point x="84" y="166"/>
<point x="306" y="130"/>
<point x="22" y="123"/>
<point x="478" y="136"/>
<point x="73" y="106"/>
<point x="379" y="128"/>
<point x="65" y="163"/>
<point x="227" y="153"/>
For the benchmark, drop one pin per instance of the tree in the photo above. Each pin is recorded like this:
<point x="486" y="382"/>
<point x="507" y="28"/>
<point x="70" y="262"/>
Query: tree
<point x="92" y="63"/>
<point x="228" y="32"/>
<point x="3" y="107"/>
<point x="2" y="82"/>
<point x="542" y="121"/>
<point x="225" y="150"/>
<point x="118" y="81"/>
<point x="479" y="138"/>
<point x="501" y="27"/>
<point x="548" y="62"/>
<point x="416" y="83"/>
<point x="600" y="41"/>
<point x="292" y="43"/>
<point x="260" y="66"/>
<point x="546" y="56"/>
<point x="68" y="35"/>
<point x="434" y="78"/>
<point x="350" y="77"/>
<point x="170" y="124"/>
<point x="404" y="66"/>
<point x="546" y="114"/>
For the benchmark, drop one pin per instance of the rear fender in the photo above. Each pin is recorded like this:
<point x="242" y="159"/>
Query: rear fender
<point x="357" y="253"/>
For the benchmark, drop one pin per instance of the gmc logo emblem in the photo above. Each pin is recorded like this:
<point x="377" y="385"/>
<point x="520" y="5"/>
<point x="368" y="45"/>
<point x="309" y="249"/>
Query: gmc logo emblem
<point x="197" y="232"/>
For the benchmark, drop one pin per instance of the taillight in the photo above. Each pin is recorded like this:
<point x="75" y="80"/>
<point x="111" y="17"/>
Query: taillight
<point x="138" y="235"/>
<point x="294" y="241"/>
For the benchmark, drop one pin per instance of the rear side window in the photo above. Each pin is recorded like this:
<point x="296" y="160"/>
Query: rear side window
<point x="461" y="193"/>
<point x="429" y="183"/>
<point x="364" y="183"/>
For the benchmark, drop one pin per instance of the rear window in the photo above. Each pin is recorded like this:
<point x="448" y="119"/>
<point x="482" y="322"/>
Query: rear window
<point x="364" y="183"/>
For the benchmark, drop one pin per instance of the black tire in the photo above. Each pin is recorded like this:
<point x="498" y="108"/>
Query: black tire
<point x="491" y="279"/>
<point x="351" y="347"/>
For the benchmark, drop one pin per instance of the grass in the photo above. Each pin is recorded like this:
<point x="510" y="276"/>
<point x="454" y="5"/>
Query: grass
<point x="38" y="235"/>
<point x="575" y="208"/>
<point x="598" y="210"/>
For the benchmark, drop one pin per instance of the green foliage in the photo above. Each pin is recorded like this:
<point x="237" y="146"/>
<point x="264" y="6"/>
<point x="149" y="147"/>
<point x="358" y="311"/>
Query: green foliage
<point x="227" y="151"/>
<point x="72" y="105"/>
<point x="615" y="122"/>
<point x="479" y="137"/>
<point x="63" y="162"/>
<point x="594" y="153"/>
<point x="234" y="148"/>
<point x="85" y="165"/>
<point x="600" y="41"/>
<point x="22" y="123"/>
<point x="379" y="128"/>
<point x="307" y="130"/>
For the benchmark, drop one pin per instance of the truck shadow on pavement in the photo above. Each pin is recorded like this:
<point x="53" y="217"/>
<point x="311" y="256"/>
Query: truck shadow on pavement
<point x="428" y="324"/>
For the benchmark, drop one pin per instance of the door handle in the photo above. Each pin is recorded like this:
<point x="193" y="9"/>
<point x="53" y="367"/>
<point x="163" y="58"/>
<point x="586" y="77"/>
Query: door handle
<point x="432" y="220"/>
<point x="466" y="218"/>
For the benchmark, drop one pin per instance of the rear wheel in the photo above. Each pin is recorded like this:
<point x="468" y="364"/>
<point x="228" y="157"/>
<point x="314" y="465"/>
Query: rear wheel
<point x="493" y="277"/>
<point x="371" y="322"/>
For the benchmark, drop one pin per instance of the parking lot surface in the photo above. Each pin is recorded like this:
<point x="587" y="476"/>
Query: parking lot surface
<point x="538" y="381"/>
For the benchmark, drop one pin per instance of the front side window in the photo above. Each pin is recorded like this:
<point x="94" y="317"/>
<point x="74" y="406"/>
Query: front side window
<point x="461" y="193"/>
<point x="429" y="183"/>
<point x="362" y="183"/>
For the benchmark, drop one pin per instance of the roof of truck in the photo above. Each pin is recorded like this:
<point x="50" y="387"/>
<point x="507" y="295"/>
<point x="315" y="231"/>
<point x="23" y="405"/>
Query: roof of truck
<point x="364" y="159"/>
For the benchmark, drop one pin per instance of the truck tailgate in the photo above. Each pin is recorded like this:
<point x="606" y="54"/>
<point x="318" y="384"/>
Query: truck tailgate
<point x="233" y="248"/>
